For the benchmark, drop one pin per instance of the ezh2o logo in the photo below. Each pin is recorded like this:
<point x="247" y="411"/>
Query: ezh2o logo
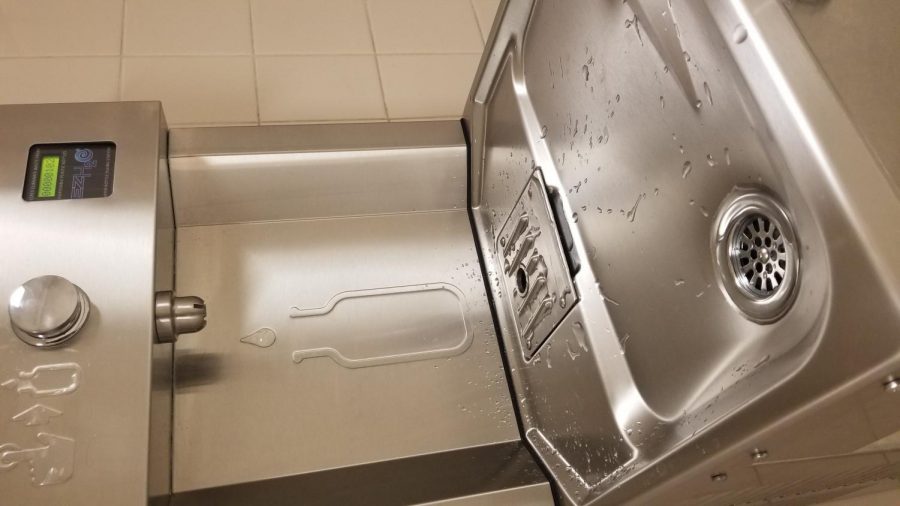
<point x="85" y="157"/>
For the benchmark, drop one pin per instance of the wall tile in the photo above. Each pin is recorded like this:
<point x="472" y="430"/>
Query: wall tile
<point x="427" y="85"/>
<point x="328" y="88"/>
<point x="424" y="26"/>
<point x="60" y="27"/>
<point x="311" y="27"/>
<point x="187" y="27"/>
<point x="46" y="80"/>
<point x="194" y="89"/>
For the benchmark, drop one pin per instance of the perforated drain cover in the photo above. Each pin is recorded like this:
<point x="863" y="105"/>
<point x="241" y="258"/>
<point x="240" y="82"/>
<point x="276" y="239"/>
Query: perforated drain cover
<point x="759" y="256"/>
<point x="535" y="274"/>
<point x="756" y="254"/>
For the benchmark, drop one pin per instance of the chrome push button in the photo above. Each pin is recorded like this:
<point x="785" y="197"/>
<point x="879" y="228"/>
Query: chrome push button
<point x="48" y="310"/>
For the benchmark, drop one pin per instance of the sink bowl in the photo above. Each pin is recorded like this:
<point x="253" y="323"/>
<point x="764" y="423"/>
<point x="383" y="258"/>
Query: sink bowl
<point x="733" y="232"/>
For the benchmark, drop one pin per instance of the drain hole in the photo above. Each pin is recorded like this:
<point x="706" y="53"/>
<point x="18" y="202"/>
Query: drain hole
<point x="757" y="253"/>
<point x="521" y="281"/>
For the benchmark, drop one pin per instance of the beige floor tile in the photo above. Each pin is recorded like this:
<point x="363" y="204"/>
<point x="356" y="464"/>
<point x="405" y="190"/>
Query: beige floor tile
<point x="60" y="27"/>
<point x="45" y="80"/>
<point x="194" y="89"/>
<point x="486" y="10"/>
<point x="195" y="27"/>
<point x="427" y="86"/>
<point x="328" y="88"/>
<point x="424" y="26"/>
<point x="311" y="27"/>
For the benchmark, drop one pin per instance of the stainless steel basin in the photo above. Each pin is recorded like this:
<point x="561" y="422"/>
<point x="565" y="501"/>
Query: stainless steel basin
<point x="681" y="135"/>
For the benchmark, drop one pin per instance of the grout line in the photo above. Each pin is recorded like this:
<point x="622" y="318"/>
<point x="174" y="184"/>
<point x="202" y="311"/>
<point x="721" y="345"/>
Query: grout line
<point x="59" y="56"/>
<point x="455" y="53"/>
<point x="478" y="23"/>
<point x="121" y="83"/>
<point x="377" y="61"/>
<point x="228" y="55"/>
<point x="325" y="122"/>
<point x="253" y="56"/>
<point x="214" y="124"/>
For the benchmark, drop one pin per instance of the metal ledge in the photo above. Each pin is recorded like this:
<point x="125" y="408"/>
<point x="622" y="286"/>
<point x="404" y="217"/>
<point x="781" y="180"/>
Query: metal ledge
<point x="500" y="471"/>
<point x="207" y="141"/>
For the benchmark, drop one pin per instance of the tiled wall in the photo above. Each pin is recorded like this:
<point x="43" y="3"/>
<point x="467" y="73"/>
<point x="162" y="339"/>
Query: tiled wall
<point x="247" y="62"/>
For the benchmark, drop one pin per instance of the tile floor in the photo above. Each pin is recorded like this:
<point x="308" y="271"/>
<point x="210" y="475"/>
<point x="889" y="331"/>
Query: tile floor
<point x="248" y="62"/>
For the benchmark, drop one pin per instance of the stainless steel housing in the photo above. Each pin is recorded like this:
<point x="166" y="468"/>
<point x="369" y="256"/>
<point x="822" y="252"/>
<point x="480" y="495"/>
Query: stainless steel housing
<point x="349" y="356"/>
<point x="372" y="289"/>
<point x="87" y="421"/>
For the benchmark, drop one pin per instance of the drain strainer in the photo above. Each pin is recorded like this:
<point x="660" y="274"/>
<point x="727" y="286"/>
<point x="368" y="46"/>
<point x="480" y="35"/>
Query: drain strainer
<point x="756" y="254"/>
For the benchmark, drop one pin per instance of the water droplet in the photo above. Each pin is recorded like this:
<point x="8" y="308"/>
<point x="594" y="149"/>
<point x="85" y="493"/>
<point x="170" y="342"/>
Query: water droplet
<point x="573" y="353"/>
<point x="710" y="161"/>
<point x="692" y="202"/>
<point x="586" y="71"/>
<point x="687" y="56"/>
<point x="681" y="149"/>
<point x="708" y="93"/>
<point x="740" y="34"/>
<point x="698" y="104"/>
<point x="679" y="282"/>
<point x="704" y="212"/>
<point x="618" y="98"/>
<point x="544" y="131"/>
<point x="575" y="217"/>
<point x="727" y="157"/>
<point x="637" y="27"/>
<point x="662" y="102"/>
<point x="656" y="192"/>
<point x="761" y="361"/>
<point x="580" y="336"/>
<point x="633" y="212"/>
<point x="685" y="169"/>
<point x="262" y="338"/>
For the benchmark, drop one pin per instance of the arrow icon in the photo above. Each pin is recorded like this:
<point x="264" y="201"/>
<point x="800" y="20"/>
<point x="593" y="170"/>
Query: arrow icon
<point x="36" y="415"/>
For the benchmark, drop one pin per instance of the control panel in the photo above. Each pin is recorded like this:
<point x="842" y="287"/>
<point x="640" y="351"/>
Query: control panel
<point x="88" y="231"/>
<point x="69" y="171"/>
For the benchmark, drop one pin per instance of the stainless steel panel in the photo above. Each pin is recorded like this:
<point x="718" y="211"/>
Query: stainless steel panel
<point x="193" y="142"/>
<point x="336" y="341"/>
<point x="88" y="409"/>
<point x="535" y="275"/>
<point x="528" y="495"/>
<point x="492" y="474"/>
<point x="646" y="115"/>
<point x="334" y="170"/>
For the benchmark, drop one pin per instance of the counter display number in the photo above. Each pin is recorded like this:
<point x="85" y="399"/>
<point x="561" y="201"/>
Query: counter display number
<point x="49" y="177"/>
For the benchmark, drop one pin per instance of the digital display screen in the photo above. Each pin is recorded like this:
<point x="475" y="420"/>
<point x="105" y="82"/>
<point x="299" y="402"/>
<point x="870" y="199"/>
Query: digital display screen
<point x="73" y="170"/>
<point x="49" y="176"/>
